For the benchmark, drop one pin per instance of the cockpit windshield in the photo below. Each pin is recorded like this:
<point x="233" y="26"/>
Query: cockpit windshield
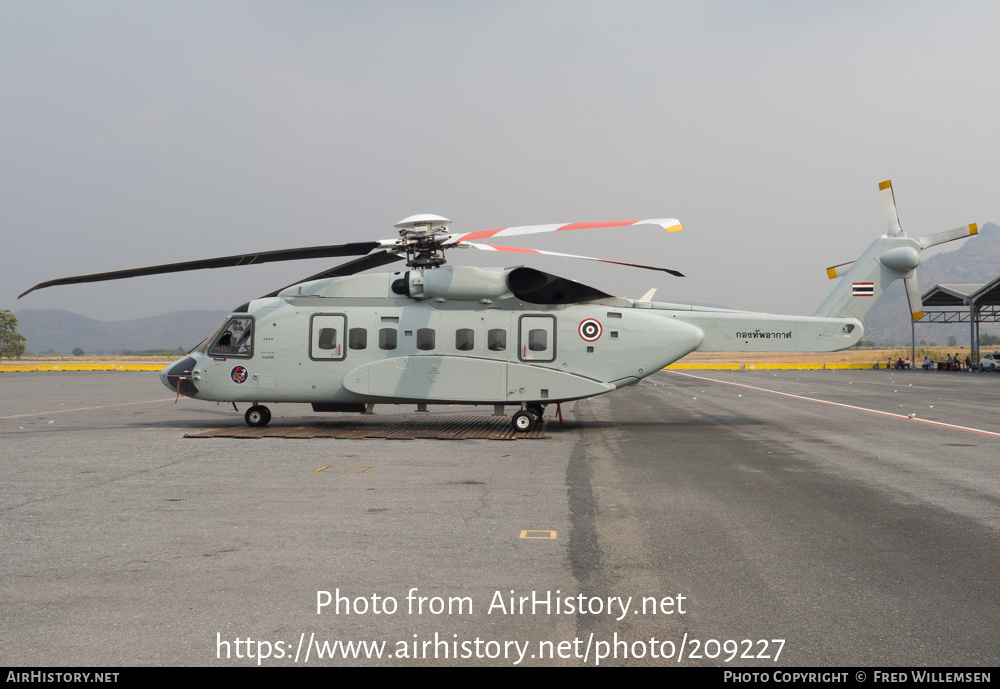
<point x="233" y="338"/>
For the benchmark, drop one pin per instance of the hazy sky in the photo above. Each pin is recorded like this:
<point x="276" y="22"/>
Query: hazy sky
<point x="135" y="133"/>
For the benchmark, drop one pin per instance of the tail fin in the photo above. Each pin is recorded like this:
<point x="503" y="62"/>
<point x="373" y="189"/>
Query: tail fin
<point x="892" y="257"/>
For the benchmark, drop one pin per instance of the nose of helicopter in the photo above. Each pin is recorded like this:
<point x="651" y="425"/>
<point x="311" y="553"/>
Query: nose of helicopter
<point x="177" y="377"/>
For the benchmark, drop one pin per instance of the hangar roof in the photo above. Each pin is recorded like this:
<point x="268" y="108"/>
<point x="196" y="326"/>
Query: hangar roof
<point x="964" y="295"/>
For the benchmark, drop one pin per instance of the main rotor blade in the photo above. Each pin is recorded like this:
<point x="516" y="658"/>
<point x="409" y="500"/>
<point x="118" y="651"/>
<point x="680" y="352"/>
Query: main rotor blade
<point x="490" y="247"/>
<point x="353" y="249"/>
<point x="358" y="265"/>
<point x="669" y="224"/>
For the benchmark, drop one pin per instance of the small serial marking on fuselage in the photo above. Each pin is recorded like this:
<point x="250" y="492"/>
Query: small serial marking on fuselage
<point x="758" y="335"/>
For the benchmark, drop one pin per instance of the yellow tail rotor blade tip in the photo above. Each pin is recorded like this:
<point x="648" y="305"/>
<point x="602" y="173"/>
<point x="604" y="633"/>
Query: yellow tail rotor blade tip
<point x="884" y="185"/>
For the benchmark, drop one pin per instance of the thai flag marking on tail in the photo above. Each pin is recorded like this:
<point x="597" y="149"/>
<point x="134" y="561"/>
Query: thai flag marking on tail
<point x="864" y="289"/>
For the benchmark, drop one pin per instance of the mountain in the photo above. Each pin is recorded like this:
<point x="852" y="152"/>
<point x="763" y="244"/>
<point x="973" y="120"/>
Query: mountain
<point x="976" y="262"/>
<point x="59" y="332"/>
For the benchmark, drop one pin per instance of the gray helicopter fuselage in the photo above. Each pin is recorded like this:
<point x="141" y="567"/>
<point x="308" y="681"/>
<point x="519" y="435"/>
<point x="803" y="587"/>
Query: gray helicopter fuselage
<point x="464" y="338"/>
<point x="465" y="335"/>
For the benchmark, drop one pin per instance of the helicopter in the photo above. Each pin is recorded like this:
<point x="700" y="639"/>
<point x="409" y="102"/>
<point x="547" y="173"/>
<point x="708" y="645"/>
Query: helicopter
<point x="517" y="337"/>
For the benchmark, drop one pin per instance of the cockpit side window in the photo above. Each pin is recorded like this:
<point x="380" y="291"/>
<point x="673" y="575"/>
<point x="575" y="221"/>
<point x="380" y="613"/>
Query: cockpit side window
<point x="235" y="340"/>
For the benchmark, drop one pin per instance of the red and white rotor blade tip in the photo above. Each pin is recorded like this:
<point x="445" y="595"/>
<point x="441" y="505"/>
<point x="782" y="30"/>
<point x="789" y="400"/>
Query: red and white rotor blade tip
<point x="490" y="247"/>
<point x="669" y="224"/>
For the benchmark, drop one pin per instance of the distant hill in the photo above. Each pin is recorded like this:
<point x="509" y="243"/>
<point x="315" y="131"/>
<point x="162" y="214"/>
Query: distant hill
<point x="978" y="261"/>
<point x="59" y="332"/>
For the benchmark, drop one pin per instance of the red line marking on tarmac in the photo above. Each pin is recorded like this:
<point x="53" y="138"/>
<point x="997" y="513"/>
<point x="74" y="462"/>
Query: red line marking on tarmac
<point x="66" y="411"/>
<point x="940" y="424"/>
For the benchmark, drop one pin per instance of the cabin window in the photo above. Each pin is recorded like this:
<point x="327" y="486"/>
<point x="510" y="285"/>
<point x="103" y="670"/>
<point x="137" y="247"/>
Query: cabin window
<point x="236" y="339"/>
<point x="387" y="338"/>
<point x="358" y="338"/>
<point x="496" y="340"/>
<point x="425" y="339"/>
<point x="327" y="338"/>
<point x="465" y="339"/>
<point x="537" y="340"/>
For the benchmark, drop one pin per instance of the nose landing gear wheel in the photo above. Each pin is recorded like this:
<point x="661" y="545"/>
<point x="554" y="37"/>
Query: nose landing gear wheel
<point x="524" y="421"/>
<point x="257" y="415"/>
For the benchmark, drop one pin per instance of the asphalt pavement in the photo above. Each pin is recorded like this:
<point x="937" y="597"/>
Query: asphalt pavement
<point x="718" y="518"/>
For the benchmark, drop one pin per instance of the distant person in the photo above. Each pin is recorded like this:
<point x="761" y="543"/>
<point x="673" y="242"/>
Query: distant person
<point x="927" y="364"/>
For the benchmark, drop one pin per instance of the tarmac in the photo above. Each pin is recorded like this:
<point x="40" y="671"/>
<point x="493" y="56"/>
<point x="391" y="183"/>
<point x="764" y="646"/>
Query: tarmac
<point x="720" y="518"/>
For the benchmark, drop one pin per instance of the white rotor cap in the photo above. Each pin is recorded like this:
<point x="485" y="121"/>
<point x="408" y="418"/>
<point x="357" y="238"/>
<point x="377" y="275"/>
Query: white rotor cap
<point x="422" y="220"/>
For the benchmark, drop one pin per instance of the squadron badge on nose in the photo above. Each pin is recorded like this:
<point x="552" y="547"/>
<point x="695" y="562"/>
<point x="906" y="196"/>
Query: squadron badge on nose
<point x="238" y="374"/>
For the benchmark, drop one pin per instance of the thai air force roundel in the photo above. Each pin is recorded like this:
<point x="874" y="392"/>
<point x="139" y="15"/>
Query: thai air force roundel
<point x="238" y="374"/>
<point x="590" y="330"/>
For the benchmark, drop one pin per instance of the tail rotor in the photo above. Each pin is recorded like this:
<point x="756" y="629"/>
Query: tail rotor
<point x="893" y="257"/>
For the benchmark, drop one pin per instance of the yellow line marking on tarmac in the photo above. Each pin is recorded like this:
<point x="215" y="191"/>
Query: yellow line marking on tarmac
<point x="769" y="366"/>
<point x="365" y="470"/>
<point x="941" y="424"/>
<point x="541" y="534"/>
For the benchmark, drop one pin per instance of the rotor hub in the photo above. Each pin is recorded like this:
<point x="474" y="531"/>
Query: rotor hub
<point x="419" y="238"/>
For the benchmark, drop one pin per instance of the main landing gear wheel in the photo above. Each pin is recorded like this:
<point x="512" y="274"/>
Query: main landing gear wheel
<point x="524" y="421"/>
<point x="257" y="415"/>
